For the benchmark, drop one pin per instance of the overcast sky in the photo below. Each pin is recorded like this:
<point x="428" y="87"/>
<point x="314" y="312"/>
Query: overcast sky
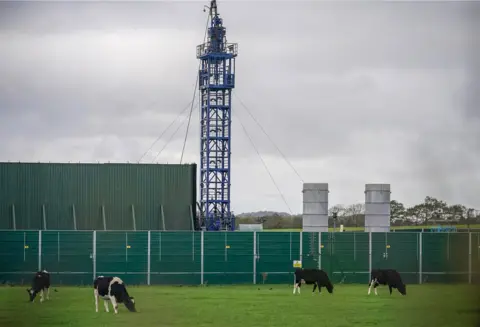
<point x="352" y="93"/>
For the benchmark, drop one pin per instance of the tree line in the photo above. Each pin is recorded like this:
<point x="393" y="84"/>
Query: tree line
<point x="431" y="211"/>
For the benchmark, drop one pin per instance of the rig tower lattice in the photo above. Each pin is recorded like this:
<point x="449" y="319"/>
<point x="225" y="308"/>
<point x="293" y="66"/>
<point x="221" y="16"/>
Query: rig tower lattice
<point x="216" y="81"/>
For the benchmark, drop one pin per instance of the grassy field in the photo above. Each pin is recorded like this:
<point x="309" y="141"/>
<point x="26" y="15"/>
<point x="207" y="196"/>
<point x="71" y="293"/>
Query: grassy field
<point x="362" y="228"/>
<point x="245" y="306"/>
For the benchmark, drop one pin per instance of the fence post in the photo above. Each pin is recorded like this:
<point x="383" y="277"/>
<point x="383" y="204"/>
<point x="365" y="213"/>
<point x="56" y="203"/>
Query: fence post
<point x="94" y="256"/>
<point x="39" y="250"/>
<point x="24" y="246"/>
<point x="254" y="257"/>
<point x="301" y="247"/>
<point x="355" y="246"/>
<point x="126" y="247"/>
<point x="149" y="250"/>
<point x="58" y="246"/>
<point x="420" y="257"/>
<point x="193" y="246"/>
<point x="290" y="246"/>
<point x="319" y="250"/>
<point x="469" y="257"/>
<point x="369" y="254"/>
<point x="202" y="253"/>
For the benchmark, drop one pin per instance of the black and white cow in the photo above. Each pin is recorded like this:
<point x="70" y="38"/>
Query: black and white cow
<point x="112" y="289"/>
<point x="40" y="282"/>
<point x="317" y="277"/>
<point x="388" y="277"/>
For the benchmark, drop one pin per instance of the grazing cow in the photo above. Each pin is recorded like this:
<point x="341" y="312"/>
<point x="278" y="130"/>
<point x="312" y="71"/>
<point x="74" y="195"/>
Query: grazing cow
<point x="112" y="289"/>
<point x="317" y="277"/>
<point x="40" y="282"/>
<point x="388" y="277"/>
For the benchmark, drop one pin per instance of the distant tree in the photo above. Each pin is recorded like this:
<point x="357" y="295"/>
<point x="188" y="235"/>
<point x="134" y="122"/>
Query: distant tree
<point x="397" y="211"/>
<point x="415" y="214"/>
<point x="430" y="210"/>
<point x="470" y="216"/>
<point x="433" y="209"/>
<point x="339" y="209"/>
<point x="356" y="211"/>
<point x="262" y="219"/>
<point x="457" y="212"/>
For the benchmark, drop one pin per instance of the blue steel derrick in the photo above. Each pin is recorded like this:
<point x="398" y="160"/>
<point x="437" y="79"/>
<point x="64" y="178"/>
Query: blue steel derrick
<point x="216" y="81"/>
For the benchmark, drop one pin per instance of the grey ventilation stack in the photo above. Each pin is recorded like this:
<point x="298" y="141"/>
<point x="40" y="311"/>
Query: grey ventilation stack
<point x="315" y="207"/>
<point x="377" y="207"/>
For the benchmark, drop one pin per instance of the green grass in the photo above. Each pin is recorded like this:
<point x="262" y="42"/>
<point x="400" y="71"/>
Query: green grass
<point x="245" y="306"/>
<point x="362" y="228"/>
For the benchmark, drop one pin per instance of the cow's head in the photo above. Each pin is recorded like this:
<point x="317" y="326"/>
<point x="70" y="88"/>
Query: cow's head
<point x="32" y="294"/>
<point x="402" y="289"/>
<point x="329" y="287"/>
<point x="130" y="304"/>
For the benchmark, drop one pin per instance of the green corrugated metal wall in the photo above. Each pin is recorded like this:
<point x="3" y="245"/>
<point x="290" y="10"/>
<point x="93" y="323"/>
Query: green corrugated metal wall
<point x="26" y="187"/>
<point x="235" y="257"/>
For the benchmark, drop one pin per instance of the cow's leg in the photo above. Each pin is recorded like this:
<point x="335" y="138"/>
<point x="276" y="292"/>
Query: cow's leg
<point x="314" y="288"/>
<point x="95" y="295"/>
<point x="295" y="285"/>
<point x="48" y="293"/>
<point x="370" y="286"/>
<point x="41" y="295"/>
<point x="114" y="304"/>
<point x="375" y="288"/>
<point x="390" y="289"/>
<point x="105" y="304"/>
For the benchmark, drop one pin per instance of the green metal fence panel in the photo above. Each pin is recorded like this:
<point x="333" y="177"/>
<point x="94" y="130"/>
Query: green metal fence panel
<point x="152" y="257"/>
<point x="345" y="257"/>
<point x="228" y="257"/>
<point x="458" y="259"/>
<point x="60" y="196"/>
<point x="275" y="255"/>
<point x="136" y="260"/>
<point x="397" y="251"/>
<point x="176" y="258"/>
<point x="435" y="256"/>
<point x="475" y="257"/>
<point x="445" y="257"/>
<point x="310" y="250"/>
<point x="68" y="256"/>
<point x="123" y="254"/>
<point x="19" y="257"/>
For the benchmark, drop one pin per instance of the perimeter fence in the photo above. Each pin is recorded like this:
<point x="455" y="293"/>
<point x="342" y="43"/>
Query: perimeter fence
<point x="192" y="258"/>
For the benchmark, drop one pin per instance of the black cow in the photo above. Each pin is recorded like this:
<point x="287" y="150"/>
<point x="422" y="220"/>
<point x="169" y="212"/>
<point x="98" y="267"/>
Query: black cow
<point x="112" y="289"/>
<point x="40" y="282"/>
<point x="388" y="277"/>
<point x="317" y="277"/>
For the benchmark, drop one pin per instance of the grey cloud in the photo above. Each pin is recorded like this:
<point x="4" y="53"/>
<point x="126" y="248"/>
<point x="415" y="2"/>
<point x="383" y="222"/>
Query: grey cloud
<point x="44" y="17"/>
<point x="385" y="91"/>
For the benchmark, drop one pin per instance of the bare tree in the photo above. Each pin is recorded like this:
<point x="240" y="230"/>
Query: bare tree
<point x="337" y="213"/>
<point x="356" y="211"/>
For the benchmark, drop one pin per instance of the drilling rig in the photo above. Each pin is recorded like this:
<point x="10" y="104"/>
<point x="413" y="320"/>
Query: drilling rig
<point x="216" y="82"/>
